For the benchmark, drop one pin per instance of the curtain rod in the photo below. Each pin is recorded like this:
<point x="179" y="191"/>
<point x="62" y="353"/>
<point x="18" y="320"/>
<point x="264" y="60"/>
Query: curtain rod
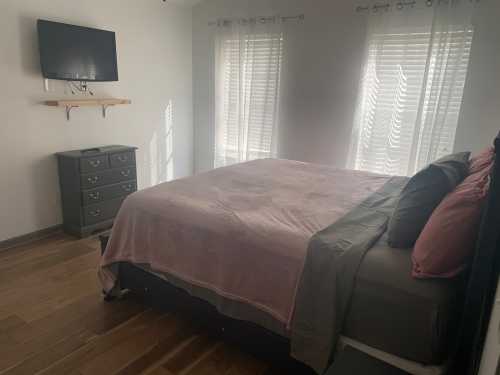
<point x="299" y="17"/>
<point x="401" y="5"/>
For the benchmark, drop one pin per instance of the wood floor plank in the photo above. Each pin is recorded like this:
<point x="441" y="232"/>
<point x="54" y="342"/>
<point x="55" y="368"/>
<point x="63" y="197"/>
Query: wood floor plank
<point x="73" y="290"/>
<point x="113" y="315"/>
<point x="90" y="311"/>
<point x="244" y="364"/>
<point x="189" y="354"/>
<point x="38" y="340"/>
<point x="166" y="345"/>
<point x="50" y="289"/>
<point x="159" y="371"/>
<point x="98" y="319"/>
<point x="125" y="352"/>
<point x="11" y="322"/>
<point x="226" y="360"/>
<point x="67" y="315"/>
<point x="24" y="251"/>
<point x="5" y="341"/>
<point x="52" y="354"/>
<point x="53" y="321"/>
<point x="15" y="354"/>
<point x="218" y="362"/>
<point x="21" y="269"/>
<point x="102" y="344"/>
<point x="53" y="276"/>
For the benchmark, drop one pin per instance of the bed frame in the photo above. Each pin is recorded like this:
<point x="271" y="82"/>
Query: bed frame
<point x="466" y="356"/>
<point x="161" y="295"/>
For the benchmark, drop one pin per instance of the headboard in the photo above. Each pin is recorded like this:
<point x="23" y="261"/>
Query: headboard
<point x="482" y="283"/>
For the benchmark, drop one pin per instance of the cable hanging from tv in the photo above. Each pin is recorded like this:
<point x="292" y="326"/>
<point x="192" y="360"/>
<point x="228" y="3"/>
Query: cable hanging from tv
<point x="80" y="87"/>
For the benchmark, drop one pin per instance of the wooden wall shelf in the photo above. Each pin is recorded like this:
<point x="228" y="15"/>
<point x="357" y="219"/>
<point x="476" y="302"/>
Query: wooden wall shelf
<point x="69" y="104"/>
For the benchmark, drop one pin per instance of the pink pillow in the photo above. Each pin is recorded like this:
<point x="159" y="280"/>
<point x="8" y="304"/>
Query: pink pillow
<point x="482" y="160"/>
<point x="449" y="237"/>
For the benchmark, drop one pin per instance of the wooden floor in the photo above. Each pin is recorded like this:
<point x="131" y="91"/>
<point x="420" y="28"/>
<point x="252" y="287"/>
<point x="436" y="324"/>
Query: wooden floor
<point x="53" y="321"/>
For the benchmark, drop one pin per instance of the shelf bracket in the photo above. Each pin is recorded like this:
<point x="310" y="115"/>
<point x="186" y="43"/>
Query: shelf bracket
<point x="68" y="111"/>
<point x="104" y="109"/>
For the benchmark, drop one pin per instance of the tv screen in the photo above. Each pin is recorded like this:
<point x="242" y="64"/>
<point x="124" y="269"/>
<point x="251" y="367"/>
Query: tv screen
<point x="76" y="53"/>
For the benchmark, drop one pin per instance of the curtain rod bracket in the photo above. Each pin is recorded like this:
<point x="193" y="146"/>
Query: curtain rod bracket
<point x="400" y="5"/>
<point x="228" y="21"/>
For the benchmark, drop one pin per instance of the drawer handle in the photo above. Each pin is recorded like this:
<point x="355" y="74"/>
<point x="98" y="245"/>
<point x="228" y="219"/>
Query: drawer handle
<point x="128" y="187"/>
<point x="93" y="180"/>
<point x="95" y="213"/>
<point x="125" y="173"/>
<point x="95" y="196"/>
<point x="122" y="158"/>
<point x="95" y="163"/>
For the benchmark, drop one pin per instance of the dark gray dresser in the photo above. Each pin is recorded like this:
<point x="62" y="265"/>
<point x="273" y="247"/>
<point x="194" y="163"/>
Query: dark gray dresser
<point x="94" y="183"/>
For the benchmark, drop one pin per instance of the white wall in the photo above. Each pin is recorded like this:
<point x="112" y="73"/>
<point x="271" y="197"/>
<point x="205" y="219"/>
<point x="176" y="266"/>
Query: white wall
<point x="324" y="72"/>
<point x="480" y="118"/>
<point x="154" y="43"/>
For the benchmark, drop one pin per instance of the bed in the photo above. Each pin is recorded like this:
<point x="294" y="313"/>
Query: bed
<point x="245" y="244"/>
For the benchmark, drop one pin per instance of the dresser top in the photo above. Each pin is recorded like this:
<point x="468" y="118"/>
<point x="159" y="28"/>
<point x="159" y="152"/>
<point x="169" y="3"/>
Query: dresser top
<point x="96" y="151"/>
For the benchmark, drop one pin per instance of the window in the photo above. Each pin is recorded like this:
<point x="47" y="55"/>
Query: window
<point x="410" y="96"/>
<point x="247" y="98"/>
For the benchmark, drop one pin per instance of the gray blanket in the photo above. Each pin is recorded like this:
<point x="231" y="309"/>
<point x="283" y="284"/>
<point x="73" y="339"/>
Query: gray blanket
<point x="333" y="258"/>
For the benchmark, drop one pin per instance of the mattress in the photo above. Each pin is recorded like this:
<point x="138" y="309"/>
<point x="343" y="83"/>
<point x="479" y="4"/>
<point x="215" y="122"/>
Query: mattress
<point x="396" y="313"/>
<point x="241" y="231"/>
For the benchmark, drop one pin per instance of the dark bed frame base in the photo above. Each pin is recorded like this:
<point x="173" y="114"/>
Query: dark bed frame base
<point x="253" y="339"/>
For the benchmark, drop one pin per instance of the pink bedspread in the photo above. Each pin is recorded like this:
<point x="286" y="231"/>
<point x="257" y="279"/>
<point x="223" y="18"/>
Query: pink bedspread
<point x="240" y="231"/>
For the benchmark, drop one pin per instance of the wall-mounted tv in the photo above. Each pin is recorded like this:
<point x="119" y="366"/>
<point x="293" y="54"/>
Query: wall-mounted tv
<point x="75" y="53"/>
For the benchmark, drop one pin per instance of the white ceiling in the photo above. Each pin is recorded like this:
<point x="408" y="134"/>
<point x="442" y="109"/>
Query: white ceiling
<point x="188" y="3"/>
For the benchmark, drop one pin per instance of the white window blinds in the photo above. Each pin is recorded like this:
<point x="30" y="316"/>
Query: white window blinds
<point x="411" y="92"/>
<point x="247" y="101"/>
<point x="443" y="94"/>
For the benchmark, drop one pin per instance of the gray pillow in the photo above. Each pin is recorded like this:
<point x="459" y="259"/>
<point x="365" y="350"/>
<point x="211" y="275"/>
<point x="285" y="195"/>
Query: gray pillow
<point x="422" y="195"/>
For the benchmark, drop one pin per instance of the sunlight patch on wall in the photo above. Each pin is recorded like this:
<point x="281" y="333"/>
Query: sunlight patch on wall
<point x="153" y="159"/>
<point x="169" y="142"/>
<point x="161" y="149"/>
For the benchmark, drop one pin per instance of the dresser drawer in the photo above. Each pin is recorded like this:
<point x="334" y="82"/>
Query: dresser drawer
<point x="96" y="213"/>
<point x="109" y="177"/>
<point x="97" y="163"/>
<point x="122" y="159"/>
<point x="107" y="193"/>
